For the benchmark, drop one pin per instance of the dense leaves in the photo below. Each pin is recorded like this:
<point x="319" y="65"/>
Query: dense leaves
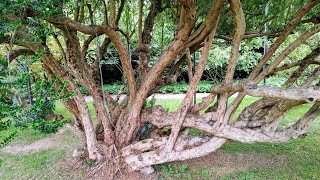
<point x="15" y="105"/>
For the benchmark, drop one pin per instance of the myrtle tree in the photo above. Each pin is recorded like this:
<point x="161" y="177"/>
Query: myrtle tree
<point x="63" y="33"/>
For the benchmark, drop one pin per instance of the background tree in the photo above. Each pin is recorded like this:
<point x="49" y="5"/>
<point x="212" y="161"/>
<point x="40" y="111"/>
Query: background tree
<point x="65" y="31"/>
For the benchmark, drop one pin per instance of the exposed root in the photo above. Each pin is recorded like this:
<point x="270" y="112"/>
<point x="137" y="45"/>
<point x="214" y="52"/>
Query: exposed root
<point x="109" y="166"/>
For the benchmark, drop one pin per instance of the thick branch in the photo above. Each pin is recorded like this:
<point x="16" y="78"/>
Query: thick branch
<point x="206" y="27"/>
<point x="240" y="27"/>
<point x="139" y="161"/>
<point x="302" y="94"/>
<point x="183" y="30"/>
<point x="112" y="17"/>
<point x="186" y="102"/>
<point x="91" y="29"/>
<point x="209" y="123"/>
<point x="249" y="35"/>
<point x="144" y="43"/>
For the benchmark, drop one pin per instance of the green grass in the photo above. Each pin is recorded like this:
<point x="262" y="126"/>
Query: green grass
<point x="301" y="156"/>
<point x="28" y="136"/>
<point x="29" y="166"/>
<point x="303" y="160"/>
<point x="36" y="165"/>
<point x="61" y="109"/>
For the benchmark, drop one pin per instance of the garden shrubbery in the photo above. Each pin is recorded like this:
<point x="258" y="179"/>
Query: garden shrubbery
<point x="181" y="87"/>
<point x="25" y="103"/>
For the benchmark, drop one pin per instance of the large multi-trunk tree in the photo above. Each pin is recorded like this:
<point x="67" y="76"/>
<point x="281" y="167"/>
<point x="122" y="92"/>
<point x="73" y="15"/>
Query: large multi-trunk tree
<point x="63" y="33"/>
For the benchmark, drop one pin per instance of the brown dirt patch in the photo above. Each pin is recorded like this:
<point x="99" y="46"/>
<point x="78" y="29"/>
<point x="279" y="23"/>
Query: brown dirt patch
<point x="218" y="163"/>
<point x="224" y="163"/>
<point x="42" y="144"/>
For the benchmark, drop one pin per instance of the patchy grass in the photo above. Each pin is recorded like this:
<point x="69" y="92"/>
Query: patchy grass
<point x="303" y="160"/>
<point x="39" y="164"/>
<point x="298" y="159"/>
<point x="28" y="136"/>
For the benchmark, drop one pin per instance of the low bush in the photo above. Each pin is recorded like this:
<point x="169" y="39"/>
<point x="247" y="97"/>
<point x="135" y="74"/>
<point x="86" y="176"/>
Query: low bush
<point x="176" y="88"/>
<point x="182" y="87"/>
<point x="48" y="126"/>
<point x="7" y="136"/>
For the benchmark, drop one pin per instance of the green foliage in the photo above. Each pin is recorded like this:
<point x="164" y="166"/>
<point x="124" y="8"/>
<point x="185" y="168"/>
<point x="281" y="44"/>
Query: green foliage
<point x="218" y="60"/>
<point x="8" y="136"/>
<point x="16" y="110"/>
<point x="48" y="126"/>
<point x="4" y="125"/>
<point x="171" y="169"/>
<point x="89" y="162"/>
<point x="298" y="54"/>
<point x="115" y="87"/>
<point x="176" y="88"/>
<point x="274" y="81"/>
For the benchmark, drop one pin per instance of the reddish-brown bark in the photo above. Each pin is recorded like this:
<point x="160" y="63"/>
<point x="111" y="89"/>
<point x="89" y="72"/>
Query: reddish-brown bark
<point x="121" y="121"/>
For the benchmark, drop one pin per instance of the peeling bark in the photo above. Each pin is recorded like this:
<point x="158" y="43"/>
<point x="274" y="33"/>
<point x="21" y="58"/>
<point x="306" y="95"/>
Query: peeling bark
<point x="118" y="124"/>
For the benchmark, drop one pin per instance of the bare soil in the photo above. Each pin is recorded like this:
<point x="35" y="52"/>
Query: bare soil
<point x="42" y="144"/>
<point x="219" y="163"/>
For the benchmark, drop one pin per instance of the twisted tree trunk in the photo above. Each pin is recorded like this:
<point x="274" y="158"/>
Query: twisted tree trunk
<point x="118" y="123"/>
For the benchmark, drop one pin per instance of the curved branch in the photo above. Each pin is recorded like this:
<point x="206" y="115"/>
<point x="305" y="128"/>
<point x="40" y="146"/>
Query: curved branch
<point x="13" y="54"/>
<point x="240" y="27"/>
<point x="283" y="35"/>
<point x="302" y="38"/>
<point x="87" y="42"/>
<point x="299" y="63"/>
<point x="186" y="102"/>
<point x="60" y="48"/>
<point x="301" y="94"/>
<point x="249" y="35"/>
<point x="145" y="36"/>
<point x="206" y="27"/>
<point x="209" y="123"/>
<point x="204" y="104"/>
<point x="139" y="161"/>
<point x="169" y="54"/>
<point x="86" y="29"/>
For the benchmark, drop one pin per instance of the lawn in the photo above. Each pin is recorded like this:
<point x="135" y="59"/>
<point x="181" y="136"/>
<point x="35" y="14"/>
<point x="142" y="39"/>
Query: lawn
<point x="298" y="159"/>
